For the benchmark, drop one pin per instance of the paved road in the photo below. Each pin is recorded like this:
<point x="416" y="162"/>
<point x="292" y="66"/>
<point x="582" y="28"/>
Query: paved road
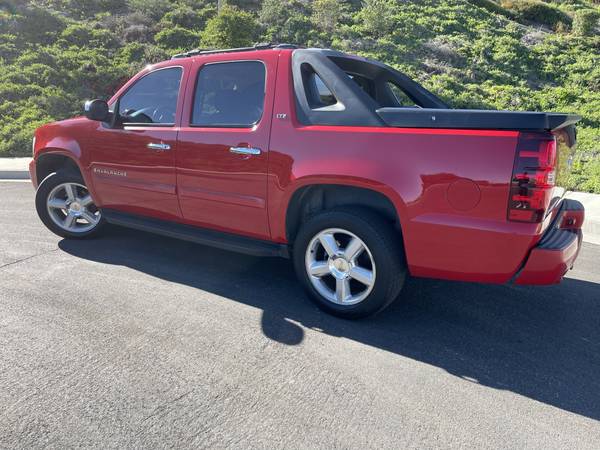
<point x="138" y="341"/>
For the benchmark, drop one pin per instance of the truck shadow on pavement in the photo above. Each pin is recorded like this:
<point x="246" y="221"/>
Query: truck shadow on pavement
<point x="542" y="343"/>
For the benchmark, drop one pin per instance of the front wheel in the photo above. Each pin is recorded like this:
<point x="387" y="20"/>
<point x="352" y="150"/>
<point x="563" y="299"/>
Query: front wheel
<point x="351" y="262"/>
<point x="65" y="206"/>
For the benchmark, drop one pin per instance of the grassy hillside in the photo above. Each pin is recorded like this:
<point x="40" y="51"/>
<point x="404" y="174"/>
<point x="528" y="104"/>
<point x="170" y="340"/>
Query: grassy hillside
<point x="503" y="54"/>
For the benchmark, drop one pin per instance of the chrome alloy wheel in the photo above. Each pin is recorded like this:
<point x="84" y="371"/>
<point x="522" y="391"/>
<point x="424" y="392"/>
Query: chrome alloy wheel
<point x="71" y="207"/>
<point x="340" y="266"/>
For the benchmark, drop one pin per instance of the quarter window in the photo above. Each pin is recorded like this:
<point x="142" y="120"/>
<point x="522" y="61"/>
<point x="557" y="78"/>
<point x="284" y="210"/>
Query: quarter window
<point x="324" y="95"/>
<point x="229" y="94"/>
<point x="152" y="99"/>
<point x="318" y="94"/>
<point x="400" y="96"/>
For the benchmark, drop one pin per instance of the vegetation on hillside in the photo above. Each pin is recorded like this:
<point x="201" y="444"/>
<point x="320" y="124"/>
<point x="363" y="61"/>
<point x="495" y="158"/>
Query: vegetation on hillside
<point x="501" y="54"/>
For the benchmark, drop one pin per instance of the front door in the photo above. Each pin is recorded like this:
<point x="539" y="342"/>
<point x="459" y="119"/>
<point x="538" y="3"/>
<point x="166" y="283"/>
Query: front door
<point x="133" y="164"/>
<point x="222" y="154"/>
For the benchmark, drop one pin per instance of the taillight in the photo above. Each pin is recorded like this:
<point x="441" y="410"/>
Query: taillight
<point x="533" y="177"/>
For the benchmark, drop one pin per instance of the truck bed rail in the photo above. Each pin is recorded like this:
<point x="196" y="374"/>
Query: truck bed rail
<point x="475" y="119"/>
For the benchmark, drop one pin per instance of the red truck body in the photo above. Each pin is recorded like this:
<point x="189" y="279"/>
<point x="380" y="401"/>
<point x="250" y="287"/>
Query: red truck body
<point x="449" y="187"/>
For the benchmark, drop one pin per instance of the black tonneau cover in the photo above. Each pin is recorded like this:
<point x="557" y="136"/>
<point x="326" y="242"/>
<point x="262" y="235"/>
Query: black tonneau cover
<point x="475" y="119"/>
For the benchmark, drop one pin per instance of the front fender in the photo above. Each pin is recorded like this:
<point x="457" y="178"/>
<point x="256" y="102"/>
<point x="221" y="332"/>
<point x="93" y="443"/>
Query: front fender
<point x="52" y="139"/>
<point x="62" y="139"/>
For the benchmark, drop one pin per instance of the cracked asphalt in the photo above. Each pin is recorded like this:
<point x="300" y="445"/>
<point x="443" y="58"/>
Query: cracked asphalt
<point x="139" y="341"/>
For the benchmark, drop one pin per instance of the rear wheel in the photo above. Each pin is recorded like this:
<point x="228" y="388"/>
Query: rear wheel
<point x="66" y="207"/>
<point x="351" y="262"/>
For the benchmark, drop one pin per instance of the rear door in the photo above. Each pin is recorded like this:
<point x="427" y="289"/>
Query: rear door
<point x="133" y="164"/>
<point x="222" y="154"/>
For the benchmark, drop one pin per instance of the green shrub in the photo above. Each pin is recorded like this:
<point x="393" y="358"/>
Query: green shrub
<point x="177" y="38"/>
<point x="378" y="16"/>
<point x="285" y="21"/>
<point x="585" y="175"/>
<point x="151" y="8"/>
<point x="491" y="6"/>
<point x="591" y="177"/>
<point x="230" y="28"/>
<point x="585" y="22"/>
<point x="327" y="14"/>
<point x="187" y="17"/>
<point x="538" y="12"/>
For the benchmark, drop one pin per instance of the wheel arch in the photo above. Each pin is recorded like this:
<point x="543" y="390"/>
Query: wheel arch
<point x="310" y="199"/>
<point x="52" y="160"/>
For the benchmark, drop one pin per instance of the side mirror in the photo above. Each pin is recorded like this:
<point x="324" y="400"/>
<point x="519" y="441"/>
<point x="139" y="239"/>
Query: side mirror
<point x="97" y="110"/>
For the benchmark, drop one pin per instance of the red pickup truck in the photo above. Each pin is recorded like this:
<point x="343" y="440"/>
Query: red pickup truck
<point x="345" y="165"/>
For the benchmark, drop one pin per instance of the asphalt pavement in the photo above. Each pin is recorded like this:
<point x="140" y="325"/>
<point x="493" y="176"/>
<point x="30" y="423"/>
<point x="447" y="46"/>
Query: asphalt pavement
<point x="138" y="341"/>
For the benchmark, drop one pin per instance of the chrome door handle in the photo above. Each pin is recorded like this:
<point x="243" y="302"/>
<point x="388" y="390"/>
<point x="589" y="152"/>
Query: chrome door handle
<point x="245" y="150"/>
<point x="160" y="147"/>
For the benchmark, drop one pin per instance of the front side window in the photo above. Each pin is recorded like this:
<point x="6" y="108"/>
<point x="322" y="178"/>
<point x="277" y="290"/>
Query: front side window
<point x="152" y="99"/>
<point x="229" y="94"/>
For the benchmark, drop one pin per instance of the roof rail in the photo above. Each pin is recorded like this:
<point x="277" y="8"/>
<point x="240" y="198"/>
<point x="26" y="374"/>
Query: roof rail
<point x="262" y="46"/>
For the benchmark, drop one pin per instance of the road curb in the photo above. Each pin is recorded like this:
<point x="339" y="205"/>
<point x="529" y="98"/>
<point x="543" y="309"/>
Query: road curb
<point x="14" y="168"/>
<point x="591" y="224"/>
<point x="14" y="175"/>
<point x="591" y="232"/>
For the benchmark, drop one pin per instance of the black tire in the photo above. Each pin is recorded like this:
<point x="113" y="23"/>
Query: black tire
<point x="41" y="198"/>
<point x="385" y="248"/>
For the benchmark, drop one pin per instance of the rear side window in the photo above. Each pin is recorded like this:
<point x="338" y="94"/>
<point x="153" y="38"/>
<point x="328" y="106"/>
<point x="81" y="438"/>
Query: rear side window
<point x="152" y="99"/>
<point x="229" y="94"/>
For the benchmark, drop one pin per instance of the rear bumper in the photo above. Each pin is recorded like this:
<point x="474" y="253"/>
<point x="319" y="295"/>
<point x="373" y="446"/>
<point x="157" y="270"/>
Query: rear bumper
<point x="558" y="248"/>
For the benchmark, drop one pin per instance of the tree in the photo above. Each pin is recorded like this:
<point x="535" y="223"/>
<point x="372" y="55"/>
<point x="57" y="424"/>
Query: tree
<point x="177" y="38"/>
<point x="187" y="17"/>
<point x="285" y="21"/>
<point x="327" y="14"/>
<point x="230" y="28"/>
<point x="378" y="16"/>
<point x="151" y="8"/>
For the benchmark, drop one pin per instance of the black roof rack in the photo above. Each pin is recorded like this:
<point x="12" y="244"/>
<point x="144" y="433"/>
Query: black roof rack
<point x="200" y="51"/>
